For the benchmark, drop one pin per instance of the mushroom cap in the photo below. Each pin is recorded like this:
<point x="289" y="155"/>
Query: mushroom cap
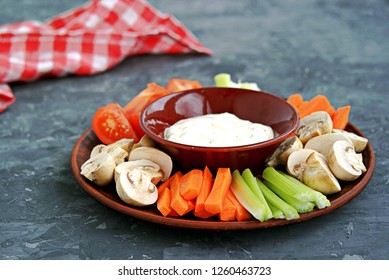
<point x="344" y="162"/>
<point x="297" y="160"/>
<point x="119" y="149"/>
<point x="98" y="149"/>
<point x="145" y="141"/>
<point x="146" y="165"/>
<point x="155" y="155"/>
<point x="135" y="188"/>
<point x="281" y="154"/>
<point x="315" y="124"/>
<point x="119" y="155"/>
<point x="99" y="169"/>
<point x="359" y="142"/>
<point x="318" y="176"/>
<point x="323" y="143"/>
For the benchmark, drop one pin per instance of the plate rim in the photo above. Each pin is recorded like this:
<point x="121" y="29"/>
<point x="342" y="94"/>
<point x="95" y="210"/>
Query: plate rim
<point x="183" y="222"/>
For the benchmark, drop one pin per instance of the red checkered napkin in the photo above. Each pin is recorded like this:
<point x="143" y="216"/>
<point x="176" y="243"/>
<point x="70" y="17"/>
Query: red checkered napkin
<point x="87" y="40"/>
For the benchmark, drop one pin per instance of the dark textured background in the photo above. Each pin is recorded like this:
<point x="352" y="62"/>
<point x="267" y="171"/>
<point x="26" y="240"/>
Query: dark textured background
<point x="339" y="48"/>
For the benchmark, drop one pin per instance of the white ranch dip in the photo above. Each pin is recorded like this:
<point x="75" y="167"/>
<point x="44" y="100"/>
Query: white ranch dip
<point x="217" y="130"/>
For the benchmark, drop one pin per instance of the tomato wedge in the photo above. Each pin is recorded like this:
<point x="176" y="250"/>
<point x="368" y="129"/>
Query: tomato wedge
<point x="111" y="124"/>
<point x="177" y="84"/>
<point x="139" y="102"/>
<point x="134" y="122"/>
<point x="144" y="98"/>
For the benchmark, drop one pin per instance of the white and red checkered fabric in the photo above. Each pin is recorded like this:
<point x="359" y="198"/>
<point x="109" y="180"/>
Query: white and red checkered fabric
<point x="87" y="40"/>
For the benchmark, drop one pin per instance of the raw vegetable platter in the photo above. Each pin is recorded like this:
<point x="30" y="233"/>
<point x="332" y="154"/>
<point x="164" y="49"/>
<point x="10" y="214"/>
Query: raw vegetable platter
<point x="107" y="194"/>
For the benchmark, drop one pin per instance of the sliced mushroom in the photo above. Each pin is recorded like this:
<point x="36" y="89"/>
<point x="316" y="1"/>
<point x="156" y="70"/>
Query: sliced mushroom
<point x="323" y="143"/>
<point x="281" y="154"/>
<point x="145" y="141"/>
<point x="318" y="176"/>
<point x="297" y="160"/>
<point x="317" y="123"/>
<point x="124" y="143"/>
<point x="344" y="162"/>
<point x="145" y="165"/>
<point x="98" y="149"/>
<point x="359" y="142"/>
<point x="135" y="188"/>
<point x="119" y="155"/>
<point x="159" y="157"/>
<point x="99" y="169"/>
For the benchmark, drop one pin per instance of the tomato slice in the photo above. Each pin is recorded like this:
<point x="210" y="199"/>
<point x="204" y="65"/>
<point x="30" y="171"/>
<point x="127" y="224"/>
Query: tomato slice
<point x="110" y="124"/>
<point x="134" y="121"/>
<point x="139" y="102"/>
<point x="177" y="84"/>
<point x="144" y="98"/>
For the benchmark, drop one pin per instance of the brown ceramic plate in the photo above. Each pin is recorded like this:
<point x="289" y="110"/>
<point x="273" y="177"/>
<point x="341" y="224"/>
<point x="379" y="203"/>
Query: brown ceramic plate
<point x="107" y="195"/>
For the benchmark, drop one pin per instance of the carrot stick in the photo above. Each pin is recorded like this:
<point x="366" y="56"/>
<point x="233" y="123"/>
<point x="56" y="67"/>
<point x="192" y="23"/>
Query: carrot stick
<point x="166" y="184"/>
<point x="331" y="111"/>
<point x="190" y="184"/>
<point x="228" y="211"/>
<point x="178" y="203"/>
<point x="317" y="103"/>
<point x="340" y="117"/>
<point x="163" y="202"/>
<point x="164" y="196"/>
<point x="214" y="202"/>
<point x="241" y="213"/>
<point x="206" y="187"/>
<point x="295" y="100"/>
<point x="191" y="206"/>
<point x="202" y="214"/>
<point x="173" y="213"/>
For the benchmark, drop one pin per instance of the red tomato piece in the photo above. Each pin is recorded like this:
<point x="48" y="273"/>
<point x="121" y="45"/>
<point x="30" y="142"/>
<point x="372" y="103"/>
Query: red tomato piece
<point x="134" y="121"/>
<point x="177" y="84"/>
<point x="144" y="98"/>
<point x="111" y="124"/>
<point x="139" y="102"/>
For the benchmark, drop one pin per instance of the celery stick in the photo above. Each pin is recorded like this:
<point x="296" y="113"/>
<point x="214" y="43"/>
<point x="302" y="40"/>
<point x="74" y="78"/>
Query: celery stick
<point x="299" y="205"/>
<point x="273" y="199"/>
<point x="271" y="174"/>
<point x="224" y="80"/>
<point x="321" y="201"/>
<point x="253" y="184"/>
<point x="277" y="213"/>
<point x="247" y="197"/>
<point x="247" y="85"/>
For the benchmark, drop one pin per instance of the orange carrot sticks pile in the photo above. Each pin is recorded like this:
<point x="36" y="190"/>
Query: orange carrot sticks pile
<point x="199" y="193"/>
<point x="320" y="103"/>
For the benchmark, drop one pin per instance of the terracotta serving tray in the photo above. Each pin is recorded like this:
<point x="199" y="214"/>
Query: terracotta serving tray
<point x="107" y="195"/>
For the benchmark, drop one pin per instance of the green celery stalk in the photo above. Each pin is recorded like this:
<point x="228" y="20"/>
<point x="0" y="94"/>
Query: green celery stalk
<point x="253" y="184"/>
<point x="275" y="201"/>
<point x="277" y="213"/>
<point x="224" y="80"/>
<point x="321" y="201"/>
<point x="273" y="176"/>
<point x="247" y="197"/>
<point x="248" y="85"/>
<point x="299" y="205"/>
